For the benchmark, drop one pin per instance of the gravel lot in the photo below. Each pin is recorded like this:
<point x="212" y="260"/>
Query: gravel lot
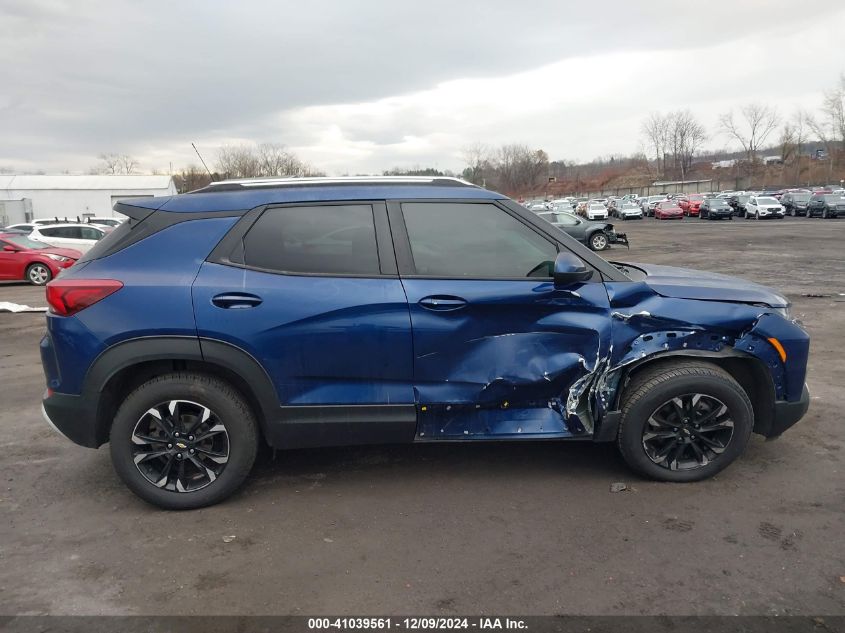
<point x="495" y="528"/>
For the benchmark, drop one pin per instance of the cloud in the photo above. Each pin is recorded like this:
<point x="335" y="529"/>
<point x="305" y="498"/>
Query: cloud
<point x="365" y="86"/>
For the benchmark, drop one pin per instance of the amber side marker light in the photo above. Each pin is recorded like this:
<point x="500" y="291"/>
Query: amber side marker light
<point x="776" y="344"/>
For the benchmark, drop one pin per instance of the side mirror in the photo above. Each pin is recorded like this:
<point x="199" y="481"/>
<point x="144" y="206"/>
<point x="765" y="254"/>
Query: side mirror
<point x="569" y="269"/>
<point x="10" y="249"/>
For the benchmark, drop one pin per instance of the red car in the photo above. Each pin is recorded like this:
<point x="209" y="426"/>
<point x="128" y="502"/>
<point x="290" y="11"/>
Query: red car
<point x="690" y="204"/>
<point x="35" y="262"/>
<point x="668" y="210"/>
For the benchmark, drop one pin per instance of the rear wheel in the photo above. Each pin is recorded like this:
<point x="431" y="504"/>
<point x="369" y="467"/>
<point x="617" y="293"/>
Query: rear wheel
<point x="683" y="421"/>
<point x="183" y="441"/>
<point x="38" y="274"/>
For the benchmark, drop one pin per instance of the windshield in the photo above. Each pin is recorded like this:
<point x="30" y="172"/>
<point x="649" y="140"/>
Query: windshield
<point x="767" y="201"/>
<point x="801" y="197"/>
<point x="834" y="197"/>
<point x="24" y="242"/>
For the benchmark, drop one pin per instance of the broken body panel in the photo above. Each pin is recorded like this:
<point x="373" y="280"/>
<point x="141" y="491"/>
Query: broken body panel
<point x="556" y="366"/>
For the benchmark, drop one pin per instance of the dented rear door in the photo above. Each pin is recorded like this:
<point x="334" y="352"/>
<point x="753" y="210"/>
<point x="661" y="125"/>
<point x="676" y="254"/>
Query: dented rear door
<point x="499" y="352"/>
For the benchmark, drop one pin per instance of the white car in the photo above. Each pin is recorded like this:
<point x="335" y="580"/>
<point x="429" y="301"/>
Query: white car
<point x="759" y="207"/>
<point x="596" y="211"/>
<point x="107" y="222"/>
<point x="80" y="237"/>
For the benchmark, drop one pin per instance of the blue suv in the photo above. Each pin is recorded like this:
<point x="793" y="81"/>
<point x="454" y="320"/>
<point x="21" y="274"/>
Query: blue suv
<point x="317" y="312"/>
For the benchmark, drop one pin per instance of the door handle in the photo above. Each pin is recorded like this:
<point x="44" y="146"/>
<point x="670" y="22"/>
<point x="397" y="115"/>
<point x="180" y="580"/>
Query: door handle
<point x="236" y="300"/>
<point x="442" y="303"/>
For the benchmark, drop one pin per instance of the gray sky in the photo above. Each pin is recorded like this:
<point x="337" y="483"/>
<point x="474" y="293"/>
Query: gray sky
<point x="368" y="85"/>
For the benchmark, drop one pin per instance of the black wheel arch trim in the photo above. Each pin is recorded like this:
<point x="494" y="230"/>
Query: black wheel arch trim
<point x="235" y="364"/>
<point x="749" y="371"/>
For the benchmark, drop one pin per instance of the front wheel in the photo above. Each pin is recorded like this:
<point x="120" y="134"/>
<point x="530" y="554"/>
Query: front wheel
<point x="183" y="440"/>
<point x="824" y="214"/>
<point x="683" y="421"/>
<point x="39" y="274"/>
<point x="598" y="241"/>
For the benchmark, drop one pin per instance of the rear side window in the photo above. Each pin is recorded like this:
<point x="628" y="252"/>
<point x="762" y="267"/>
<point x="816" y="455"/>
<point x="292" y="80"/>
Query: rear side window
<point x="336" y="239"/>
<point x="474" y="241"/>
<point x="89" y="233"/>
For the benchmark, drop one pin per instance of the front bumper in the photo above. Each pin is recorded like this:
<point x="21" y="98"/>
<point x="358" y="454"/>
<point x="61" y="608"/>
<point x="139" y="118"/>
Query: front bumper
<point x="617" y="238"/>
<point x="72" y="417"/>
<point x="786" y="414"/>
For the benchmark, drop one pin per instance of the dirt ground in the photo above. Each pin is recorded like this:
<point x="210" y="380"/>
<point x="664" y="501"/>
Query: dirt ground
<point x="469" y="529"/>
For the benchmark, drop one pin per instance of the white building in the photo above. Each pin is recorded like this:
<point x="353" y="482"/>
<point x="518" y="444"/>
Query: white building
<point x="74" y="196"/>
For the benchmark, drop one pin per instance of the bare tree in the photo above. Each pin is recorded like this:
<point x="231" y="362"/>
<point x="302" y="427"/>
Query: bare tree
<point x="520" y="168"/>
<point x="128" y="165"/>
<point x="109" y="164"/>
<point x="264" y="159"/>
<point x="112" y="163"/>
<point x="688" y="135"/>
<point x="825" y="131"/>
<point x="655" y="129"/>
<point x="833" y="109"/>
<point x="476" y="157"/>
<point x="238" y="161"/>
<point x="191" y="178"/>
<point x="754" y="125"/>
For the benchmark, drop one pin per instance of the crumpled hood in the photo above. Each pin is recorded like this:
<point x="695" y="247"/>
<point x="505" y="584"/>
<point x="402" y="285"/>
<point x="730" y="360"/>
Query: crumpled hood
<point x="686" y="283"/>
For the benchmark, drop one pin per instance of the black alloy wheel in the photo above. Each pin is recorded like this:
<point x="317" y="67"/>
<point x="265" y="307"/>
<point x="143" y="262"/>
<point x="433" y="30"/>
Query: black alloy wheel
<point x="180" y="446"/>
<point x="688" y="432"/>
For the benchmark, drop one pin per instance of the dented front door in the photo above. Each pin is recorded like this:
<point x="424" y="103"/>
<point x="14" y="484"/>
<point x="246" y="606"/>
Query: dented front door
<point x="508" y="357"/>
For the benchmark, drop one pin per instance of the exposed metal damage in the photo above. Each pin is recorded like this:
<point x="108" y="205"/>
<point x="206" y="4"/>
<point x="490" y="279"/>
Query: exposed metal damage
<point x="538" y="385"/>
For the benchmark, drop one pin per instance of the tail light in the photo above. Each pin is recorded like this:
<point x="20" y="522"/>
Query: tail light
<point x="68" y="296"/>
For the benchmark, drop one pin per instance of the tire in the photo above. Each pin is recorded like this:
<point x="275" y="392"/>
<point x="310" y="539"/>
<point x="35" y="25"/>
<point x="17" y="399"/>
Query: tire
<point x="824" y="213"/>
<point x="598" y="241"/>
<point x="653" y="389"/>
<point x="38" y="274"/>
<point x="757" y="215"/>
<point x="193" y="394"/>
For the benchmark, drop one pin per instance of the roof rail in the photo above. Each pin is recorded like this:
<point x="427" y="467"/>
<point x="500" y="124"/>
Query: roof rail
<point x="250" y="183"/>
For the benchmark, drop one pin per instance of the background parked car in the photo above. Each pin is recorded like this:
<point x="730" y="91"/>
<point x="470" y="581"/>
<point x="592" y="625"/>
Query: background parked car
<point x="627" y="210"/>
<point x="104" y="222"/>
<point x="596" y="235"/>
<point x="21" y="227"/>
<point x="795" y="203"/>
<point x="26" y="259"/>
<point x="668" y="210"/>
<point x="648" y="204"/>
<point x="715" y="209"/>
<point x="761" y="207"/>
<point x="826" y="205"/>
<point x="596" y="211"/>
<point x="691" y="203"/>
<point x="737" y="202"/>
<point x="77" y="236"/>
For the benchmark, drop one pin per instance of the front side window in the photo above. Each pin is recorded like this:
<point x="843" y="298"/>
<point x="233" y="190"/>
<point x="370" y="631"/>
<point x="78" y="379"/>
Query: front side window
<point x="326" y="240"/>
<point x="464" y="240"/>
